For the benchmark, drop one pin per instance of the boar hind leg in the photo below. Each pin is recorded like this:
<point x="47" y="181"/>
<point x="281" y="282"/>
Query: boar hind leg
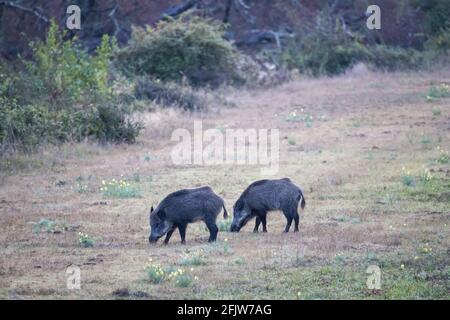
<point x="264" y="221"/>
<point x="213" y="230"/>
<point x="182" y="230"/>
<point x="169" y="234"/>
<point x="296" y="221"/>
<point x="288" y="224"/>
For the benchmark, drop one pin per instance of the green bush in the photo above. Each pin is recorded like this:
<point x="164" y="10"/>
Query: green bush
<point x="28" y="127"/>
<point x="394" y="58"/>
<point x="168" y="94"/>
<point x="439" y="43"/>
<point x="63" y="94"/>
<point x="61" y="73"/>
<point x="436" y="13"/>
<point x="325" y="49"/>
<point x="192" y="47"/>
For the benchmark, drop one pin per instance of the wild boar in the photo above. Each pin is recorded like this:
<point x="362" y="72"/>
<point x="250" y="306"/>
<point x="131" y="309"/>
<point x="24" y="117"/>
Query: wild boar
<point x="186" y="206"/>
<point x="267" y="195"/>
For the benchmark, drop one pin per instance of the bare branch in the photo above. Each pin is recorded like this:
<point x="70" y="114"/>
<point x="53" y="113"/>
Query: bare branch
<point x="32" y="11"/>
<point x="112" y="16"/>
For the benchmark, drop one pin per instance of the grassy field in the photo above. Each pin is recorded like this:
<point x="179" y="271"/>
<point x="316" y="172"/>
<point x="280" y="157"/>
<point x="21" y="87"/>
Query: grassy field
<point x="368" y="150"/>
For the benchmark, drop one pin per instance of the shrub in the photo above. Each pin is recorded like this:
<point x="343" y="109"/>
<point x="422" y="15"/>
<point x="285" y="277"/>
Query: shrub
<point x="323" y="49"/>
<point x="61" y="73"/>
<point x="26" y="127"/>
<point x="168" y="94"/>
<point x="394" y="58"/>
<point x="63" y="94"/>
<point x="439" y="43"/>
<point x="193" y="47"/>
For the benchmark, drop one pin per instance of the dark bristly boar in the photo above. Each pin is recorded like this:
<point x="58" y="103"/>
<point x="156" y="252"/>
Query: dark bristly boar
<point x="183" y="207"/>
<point x="268" y="195"/>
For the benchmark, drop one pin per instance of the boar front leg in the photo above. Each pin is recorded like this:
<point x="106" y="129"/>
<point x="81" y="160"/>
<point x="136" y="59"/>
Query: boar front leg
<point x="182" y="230"/>
<point x="169" y="234"/>
<point x="257" y="223"/>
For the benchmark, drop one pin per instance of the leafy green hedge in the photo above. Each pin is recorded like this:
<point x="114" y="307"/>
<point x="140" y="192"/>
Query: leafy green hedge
<point x="186" y="47"/>
<point x="62" y="94"/>
<point x="28" y="127"/>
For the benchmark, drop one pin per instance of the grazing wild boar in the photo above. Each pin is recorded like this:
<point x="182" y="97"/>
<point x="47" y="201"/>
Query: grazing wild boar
<point x="267" y="195"/>
<point x="182" y="207"/>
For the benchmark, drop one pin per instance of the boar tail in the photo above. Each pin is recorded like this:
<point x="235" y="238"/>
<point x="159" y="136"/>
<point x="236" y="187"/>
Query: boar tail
<point x="225" y="213"/>
<point x="303" y="202"/>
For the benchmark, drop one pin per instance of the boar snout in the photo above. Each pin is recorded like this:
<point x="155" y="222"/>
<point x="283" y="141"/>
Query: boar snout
<point x="152" y="239"/>
<point x="234" y="228"/>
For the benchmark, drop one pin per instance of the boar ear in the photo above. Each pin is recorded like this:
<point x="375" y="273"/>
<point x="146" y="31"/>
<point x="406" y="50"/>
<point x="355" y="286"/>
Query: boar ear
<point x="151" y="209"/>
<point x="162" y="214"/>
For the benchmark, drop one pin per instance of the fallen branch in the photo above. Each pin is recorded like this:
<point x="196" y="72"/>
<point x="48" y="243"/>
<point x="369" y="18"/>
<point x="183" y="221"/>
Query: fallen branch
<point x="259" y="36"/>
<point x="178" y="9"/>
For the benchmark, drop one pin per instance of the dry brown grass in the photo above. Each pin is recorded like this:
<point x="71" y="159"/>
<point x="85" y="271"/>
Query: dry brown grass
<point x="346" y="162"/>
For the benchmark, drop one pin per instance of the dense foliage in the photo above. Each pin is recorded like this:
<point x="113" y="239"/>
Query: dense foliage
<point x="62" y="94"/>
<point x="191" y="48"/>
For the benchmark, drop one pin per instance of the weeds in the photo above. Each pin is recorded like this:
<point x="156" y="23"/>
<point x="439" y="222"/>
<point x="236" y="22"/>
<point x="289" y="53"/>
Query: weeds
<point x="47" y="225"/>
<point x="408" y="179"/>
<point x="85" y="240"/>
<point x="156" y="274"/>
<point x="193" y="258"/>
<point x="438" y="91"/>
<point x="436" y="112"/>
<point x="224" y="225"/>
<point x="294" y="116"/>
<point x="443" y="155"/>
<point x="120" y="189"/>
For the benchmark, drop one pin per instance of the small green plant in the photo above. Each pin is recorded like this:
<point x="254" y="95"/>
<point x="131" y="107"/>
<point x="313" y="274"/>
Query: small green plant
<point x="183" y="281"/>
<point x="224" y="225"/>
<point x="291" y="141"/>
<point x="443" y="155"/>
<point x="425" y="176"/>
<point x="296" y="116"/>
<point x="407" y="178"/>
<point x="155" y="273"/>
<point x="221" y="247"/>
<point x="438" y="91"/>
<point x="436" y="111"/>
<point x="82" y="188"/>
<point x="388" y="198"/>
<point x="193" y="258"/>
<point x="47" y="225"/>
<point x="85" y="240"/>
<point x="120" y="189"/>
